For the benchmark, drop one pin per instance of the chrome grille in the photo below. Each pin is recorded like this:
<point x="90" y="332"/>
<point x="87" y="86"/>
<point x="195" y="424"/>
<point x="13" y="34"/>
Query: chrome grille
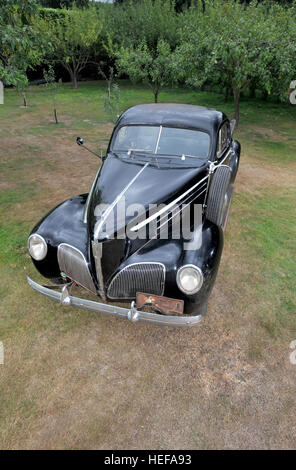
<point x="138" y="277"/>
<point x="97" y="253"/>
<point x="73" y="263"/>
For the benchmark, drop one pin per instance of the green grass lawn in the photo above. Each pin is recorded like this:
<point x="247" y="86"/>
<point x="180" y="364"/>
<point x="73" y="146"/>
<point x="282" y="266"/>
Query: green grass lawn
<point x="74" y="379"/>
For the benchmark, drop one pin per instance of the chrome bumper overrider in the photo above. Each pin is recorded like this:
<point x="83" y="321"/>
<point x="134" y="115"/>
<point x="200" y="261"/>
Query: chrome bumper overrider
<point x="131" y="313"/>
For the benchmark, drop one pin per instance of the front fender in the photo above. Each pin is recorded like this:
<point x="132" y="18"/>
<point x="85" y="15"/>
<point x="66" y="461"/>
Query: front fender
<point x="207" y="258"/>
<point x="63" y="224"/>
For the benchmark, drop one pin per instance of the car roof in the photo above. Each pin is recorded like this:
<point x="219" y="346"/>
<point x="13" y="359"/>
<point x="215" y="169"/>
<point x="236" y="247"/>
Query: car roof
<point x="175" y="115"/>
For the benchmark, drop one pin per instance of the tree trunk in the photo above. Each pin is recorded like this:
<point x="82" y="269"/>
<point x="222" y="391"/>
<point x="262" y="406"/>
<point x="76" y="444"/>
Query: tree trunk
<point x="156" y="96"/>
<point x="25" y="98"/>
<point x="236" y="96"/>
<point x="55" y="115"/>
<point x="1" y="92"/>
<point x="75" y="81"/>
<point x="73" y="74"/>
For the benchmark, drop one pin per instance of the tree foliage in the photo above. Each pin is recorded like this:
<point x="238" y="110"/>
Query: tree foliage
<point x="74" y="36"/>
<point x="231" y="44"/>
<point x="146" y="21"/>
<point x="236" y="45"/>
<point x="20" y="45"/>
<point x="142" y="37"/>
<point x="64" y="3"/>
<point x="154" y="67"/>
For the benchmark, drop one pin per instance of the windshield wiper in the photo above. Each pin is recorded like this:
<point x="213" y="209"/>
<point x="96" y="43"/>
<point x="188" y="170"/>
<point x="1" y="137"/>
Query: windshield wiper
<point x="187" y="156"/>
<point x="138" y="150"/>
<point x="183" y="156"/>
<point x="164" y="158"/>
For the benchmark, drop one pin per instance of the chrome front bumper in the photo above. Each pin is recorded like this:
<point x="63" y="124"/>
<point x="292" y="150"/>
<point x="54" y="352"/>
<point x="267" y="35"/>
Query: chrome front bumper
<point x="131" y="313"/>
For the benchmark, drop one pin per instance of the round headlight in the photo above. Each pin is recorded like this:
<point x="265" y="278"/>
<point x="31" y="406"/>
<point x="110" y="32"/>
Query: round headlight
<point x="189" y="279"/>
<point x="37" y="247"/>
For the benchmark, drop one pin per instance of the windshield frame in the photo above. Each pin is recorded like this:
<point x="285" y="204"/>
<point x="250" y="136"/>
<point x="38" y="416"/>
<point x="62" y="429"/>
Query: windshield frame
<point x="160" y="126"/>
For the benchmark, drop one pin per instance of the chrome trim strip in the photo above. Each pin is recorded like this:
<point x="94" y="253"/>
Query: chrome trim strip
<point x="146" y="221"/>
<point x="195" y="196"/>
<point x="166" y="208"/>
<point x="158" y="139"/>
<point x="227" y="153"/>
<point x="131" y="313"/>
<point x="97" y="253"/>
<point x="116" y="200"/>
<point x="136" y="264"/>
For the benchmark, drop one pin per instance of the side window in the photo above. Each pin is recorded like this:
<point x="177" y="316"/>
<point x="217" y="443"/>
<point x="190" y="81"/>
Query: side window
<point x="223" y="138"/>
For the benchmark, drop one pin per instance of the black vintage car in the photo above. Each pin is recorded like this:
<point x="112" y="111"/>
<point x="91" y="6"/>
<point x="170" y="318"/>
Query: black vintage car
<point x="163" y="160"/>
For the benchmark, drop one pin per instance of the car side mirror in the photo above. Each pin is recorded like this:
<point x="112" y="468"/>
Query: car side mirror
<point x="232" y="126"/>
<point x="80" y="141"/>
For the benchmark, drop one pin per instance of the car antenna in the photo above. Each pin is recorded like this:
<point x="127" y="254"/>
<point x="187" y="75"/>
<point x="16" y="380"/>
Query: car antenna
<point x="79" y="141"/>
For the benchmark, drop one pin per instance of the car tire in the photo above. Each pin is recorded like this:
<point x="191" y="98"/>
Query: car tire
<point x="217" y="202"/>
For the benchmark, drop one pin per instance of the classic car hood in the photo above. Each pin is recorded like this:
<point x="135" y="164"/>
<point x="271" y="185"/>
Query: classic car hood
<point x="133" y="182"/>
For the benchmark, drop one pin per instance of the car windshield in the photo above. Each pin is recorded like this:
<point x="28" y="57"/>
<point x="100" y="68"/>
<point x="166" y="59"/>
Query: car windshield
<point x="160" y="140"/>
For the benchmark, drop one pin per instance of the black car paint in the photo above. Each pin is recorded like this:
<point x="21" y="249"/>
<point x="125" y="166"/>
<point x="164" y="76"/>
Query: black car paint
<point x="157" y="184"/>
